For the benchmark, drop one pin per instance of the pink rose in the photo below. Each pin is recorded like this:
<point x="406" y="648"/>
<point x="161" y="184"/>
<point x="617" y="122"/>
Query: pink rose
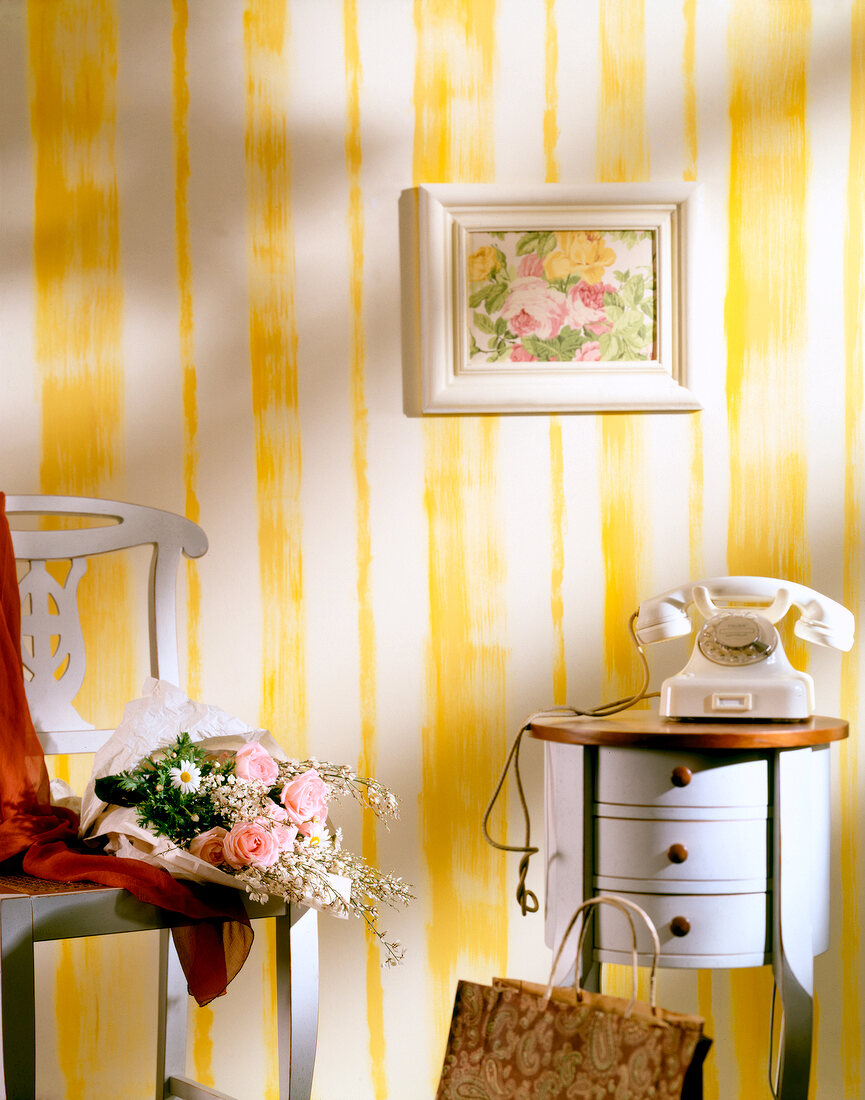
<point x="520" y="355"/>
<point x="531" y="264"/>
<point x="254" y="762"/>
<point x="533" y="306"/>
<point x="581" y="312"/>
<point x="588" y="353"/>
<point x="276" y="820"/>
<point x="285" y="836"/>
<point x="250" y="842"/>
<point x="209" y="846"/>
<point x="305" y="797"/>
<point x="592" y="295"/>
<point x="276" y="812"/>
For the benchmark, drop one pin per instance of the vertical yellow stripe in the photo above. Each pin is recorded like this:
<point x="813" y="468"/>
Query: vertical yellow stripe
<point x="192" y="509"/>
<point x="273" y="363"/>
<point x="764" y="319"/>
<point x="463" y="738"/>
<point x="768" y="48"/>
<point x="623" y="141"/>
<point x="202" y="1019"/>
<point x="78" y="346"/>
<point x="689" y="13"/>
<point x="622" y="154"/>
<point x="273" y="369"/>
<point x="360" y="440"/>
<point x="854" y="406"/>
<point x="551" y="93"/>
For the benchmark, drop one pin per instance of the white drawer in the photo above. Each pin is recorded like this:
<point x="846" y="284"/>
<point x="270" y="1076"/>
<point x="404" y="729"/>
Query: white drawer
<point x="717" y="925"/>
<point x="668" y="777"/>
<point x="716" y="850"/>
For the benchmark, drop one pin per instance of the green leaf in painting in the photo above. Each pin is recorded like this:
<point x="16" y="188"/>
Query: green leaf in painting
<point x="546" y="244"/>
<point x="478" y="296"/>
<point x="483" y="323"/>
<point x="496" y="297"/>
<point x="544" y="350"/>
<point x="527" y="243"/>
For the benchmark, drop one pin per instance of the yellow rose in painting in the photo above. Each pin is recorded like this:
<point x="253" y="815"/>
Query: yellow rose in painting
<point x="482" y="263"/>
<point x="579" y="253"/>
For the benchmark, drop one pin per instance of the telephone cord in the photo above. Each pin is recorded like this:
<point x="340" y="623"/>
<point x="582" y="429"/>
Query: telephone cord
<point x="526" y="898"/>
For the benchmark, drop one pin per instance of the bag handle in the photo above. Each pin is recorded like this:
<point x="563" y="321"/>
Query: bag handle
<point x="626" y="906"/>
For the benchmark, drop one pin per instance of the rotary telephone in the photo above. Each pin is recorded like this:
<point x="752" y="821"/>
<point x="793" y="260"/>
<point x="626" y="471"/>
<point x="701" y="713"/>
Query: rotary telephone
<point x="738" y="667"/>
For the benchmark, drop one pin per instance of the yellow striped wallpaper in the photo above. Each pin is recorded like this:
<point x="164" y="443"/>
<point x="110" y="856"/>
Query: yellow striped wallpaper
<point x="200" y="303"/>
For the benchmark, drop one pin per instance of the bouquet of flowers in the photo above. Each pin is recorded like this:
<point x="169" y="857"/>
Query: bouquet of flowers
<point x="247" y="817"/>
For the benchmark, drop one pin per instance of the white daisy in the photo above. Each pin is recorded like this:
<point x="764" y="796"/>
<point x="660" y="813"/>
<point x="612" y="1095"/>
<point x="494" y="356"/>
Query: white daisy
<point x="186" y="776"/>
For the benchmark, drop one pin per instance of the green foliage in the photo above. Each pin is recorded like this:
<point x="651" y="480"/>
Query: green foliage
<point x="560" y="348"/>
<point x="543" y="243"/>
<point x="160" y="804"/>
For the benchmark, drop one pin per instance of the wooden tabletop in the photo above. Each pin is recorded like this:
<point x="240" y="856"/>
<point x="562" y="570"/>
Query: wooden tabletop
<point x="642" y="729"/>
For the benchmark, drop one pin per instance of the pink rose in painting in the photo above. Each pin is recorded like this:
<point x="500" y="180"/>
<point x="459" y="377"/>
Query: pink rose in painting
<point x="579" y="313"/>
<point x="520" y="355"/>
<point x="532" y="265"/>
<point x="250" y="842"/>
<point x="592" y="295"/>
<point x="305" y="797"/>
<point x="209" y="846"/>
<point x="255" y="762"/>
<point x="534" y="307"/>
<point x="588" y="353"/>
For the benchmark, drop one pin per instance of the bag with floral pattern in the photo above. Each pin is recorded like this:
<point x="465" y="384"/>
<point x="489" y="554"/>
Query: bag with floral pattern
<point x="522" y="1041"/>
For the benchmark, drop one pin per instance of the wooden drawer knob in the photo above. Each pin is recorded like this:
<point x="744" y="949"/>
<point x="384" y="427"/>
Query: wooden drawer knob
<point x="681" y="776"/>
<point x="680" y="926"/>
<point x="677" y="853"/>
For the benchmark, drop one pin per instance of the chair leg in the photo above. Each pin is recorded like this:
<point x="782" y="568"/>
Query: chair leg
<point x="173" y="1015"/>
<point x="18" y="998"/>
<point x="297" y="1001"/>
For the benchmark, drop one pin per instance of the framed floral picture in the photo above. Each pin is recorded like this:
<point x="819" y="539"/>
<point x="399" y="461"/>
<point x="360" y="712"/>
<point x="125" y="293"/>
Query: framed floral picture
<point x="552" y="299"/>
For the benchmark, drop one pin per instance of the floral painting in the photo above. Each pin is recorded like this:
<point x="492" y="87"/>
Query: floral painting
<point x="571" y="296"/>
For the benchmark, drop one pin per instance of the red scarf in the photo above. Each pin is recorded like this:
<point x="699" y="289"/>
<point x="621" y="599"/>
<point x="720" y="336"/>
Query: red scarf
<point x="43" y="839"/>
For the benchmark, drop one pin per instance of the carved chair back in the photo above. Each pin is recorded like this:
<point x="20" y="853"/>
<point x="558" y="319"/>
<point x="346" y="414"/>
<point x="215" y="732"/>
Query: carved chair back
<point x="53" y="649"/>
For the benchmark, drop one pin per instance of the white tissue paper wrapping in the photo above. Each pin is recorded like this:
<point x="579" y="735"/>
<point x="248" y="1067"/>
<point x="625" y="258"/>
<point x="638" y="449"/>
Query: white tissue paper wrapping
<point x="150" y="723"/>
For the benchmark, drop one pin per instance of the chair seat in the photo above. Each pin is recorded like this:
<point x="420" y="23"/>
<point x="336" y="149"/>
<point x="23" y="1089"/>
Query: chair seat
<point x="27" y="884"/>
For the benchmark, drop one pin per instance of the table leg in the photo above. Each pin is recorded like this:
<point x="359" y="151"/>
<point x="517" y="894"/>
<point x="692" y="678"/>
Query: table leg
<point x="792" y="936"/>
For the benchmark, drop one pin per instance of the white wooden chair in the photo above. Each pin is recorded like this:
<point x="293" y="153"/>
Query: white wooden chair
<point x="32" y="910"/>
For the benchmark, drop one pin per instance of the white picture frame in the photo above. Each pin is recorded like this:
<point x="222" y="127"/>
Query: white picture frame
<point x="450" y="366"/>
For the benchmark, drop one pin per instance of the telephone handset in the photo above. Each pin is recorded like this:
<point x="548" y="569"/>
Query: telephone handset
<point x="738" y="667"/>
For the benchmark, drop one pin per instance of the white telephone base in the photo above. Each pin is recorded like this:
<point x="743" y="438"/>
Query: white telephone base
<point x="772" y="690"/>
<point x="702" y="698"/>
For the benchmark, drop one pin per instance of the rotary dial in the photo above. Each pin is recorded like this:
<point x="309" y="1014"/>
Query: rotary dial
<point x="737" y="638"/>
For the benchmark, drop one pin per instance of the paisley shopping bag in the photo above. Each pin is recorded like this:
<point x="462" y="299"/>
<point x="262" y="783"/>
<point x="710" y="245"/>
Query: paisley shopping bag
<point x="522" y="1041"/>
